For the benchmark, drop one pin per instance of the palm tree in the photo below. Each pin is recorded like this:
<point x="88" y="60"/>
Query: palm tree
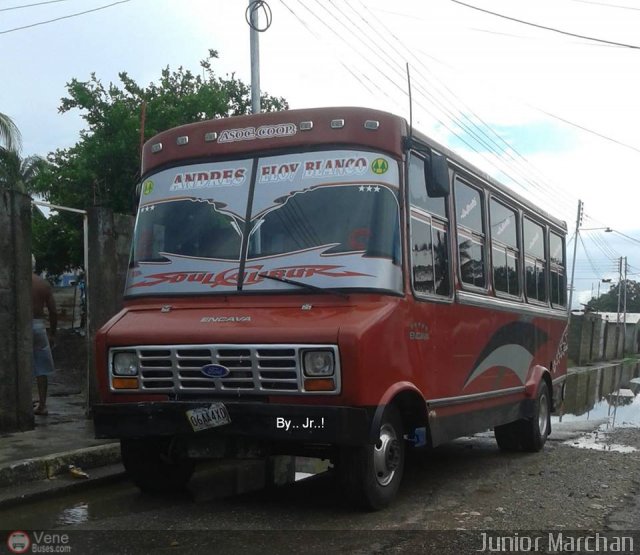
<point x="17" y="172"/>
<point x="9" y="134"/>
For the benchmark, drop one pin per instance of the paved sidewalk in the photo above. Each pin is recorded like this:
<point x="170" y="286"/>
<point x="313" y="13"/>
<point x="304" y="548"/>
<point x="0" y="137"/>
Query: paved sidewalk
<point x="36" y="462"/>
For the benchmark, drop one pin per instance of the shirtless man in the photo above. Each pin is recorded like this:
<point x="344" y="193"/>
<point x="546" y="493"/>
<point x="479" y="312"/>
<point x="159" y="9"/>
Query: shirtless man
<point x="42" y="360"/>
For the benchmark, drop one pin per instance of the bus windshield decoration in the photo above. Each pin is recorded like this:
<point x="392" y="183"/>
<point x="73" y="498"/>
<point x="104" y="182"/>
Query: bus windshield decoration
<point x="331" y="219"/>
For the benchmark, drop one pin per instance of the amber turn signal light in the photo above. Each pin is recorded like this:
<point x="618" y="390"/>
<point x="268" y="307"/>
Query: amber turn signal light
<point x="125" y="383"/>
<point x="322" y="384"/>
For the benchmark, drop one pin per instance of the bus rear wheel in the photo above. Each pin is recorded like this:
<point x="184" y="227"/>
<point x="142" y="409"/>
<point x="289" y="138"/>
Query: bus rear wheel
<point x="536" y="430"/>
<point x="528" y="434"/>
<point x="154" y="465"/>
<point x="371" y="474"/>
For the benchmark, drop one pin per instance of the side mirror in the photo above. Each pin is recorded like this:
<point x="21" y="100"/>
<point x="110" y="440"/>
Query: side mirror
<point x="437" y="176"/>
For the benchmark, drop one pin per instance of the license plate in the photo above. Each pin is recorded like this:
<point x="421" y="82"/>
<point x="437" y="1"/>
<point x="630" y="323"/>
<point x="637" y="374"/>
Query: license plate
<point x="212" y="416"/>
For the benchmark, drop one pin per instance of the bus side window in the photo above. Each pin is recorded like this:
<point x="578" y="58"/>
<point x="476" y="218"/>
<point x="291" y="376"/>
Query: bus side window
<point x="471" y="234"/>
<point x="430" y="274"/>
<point x="504" y="244"/>
<point x="535" y="264"/>
<point x="557" y="270"/>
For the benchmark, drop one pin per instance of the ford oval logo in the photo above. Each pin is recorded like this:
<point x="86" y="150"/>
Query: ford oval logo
<point x="215" y="371"/>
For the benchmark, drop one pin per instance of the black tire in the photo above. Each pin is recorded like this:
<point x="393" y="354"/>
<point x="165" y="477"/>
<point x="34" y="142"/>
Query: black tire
<point x="528" y="434"/>
<point x="508" y="436"/>
<point x="371" y="475"/>
<point x="155" y="466"/>
<point x="535" y="431"/>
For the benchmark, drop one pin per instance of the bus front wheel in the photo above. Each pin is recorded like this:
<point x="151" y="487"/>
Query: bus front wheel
<point x="371" y="475"/>
<point x="153" y="465"/>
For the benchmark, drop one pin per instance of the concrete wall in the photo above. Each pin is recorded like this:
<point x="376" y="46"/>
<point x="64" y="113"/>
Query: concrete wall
<point x="631" y="337"/>
<point x="109" y="245"/>
<point x="16" y="375"/>
<point x="612" y="341"/>
<point x="593" y="339"/>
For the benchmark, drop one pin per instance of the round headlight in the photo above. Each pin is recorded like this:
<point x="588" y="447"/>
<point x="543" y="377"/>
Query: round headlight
<point x="318" y="363"/>
<point x="125" y="364"/>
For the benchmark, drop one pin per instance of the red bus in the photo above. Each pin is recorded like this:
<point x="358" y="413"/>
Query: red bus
<point x="328" y="282"/>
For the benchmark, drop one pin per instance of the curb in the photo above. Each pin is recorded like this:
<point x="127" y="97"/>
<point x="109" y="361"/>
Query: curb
<point x="50" y="466"/>
<point x="45" y="489"/>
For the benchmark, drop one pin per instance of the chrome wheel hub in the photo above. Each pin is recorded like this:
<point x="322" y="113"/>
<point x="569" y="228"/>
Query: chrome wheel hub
<point x="543" y="415"/>
<point x="386" y="455"/>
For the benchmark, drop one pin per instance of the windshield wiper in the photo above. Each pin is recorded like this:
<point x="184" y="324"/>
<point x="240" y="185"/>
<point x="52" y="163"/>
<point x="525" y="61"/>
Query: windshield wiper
<point x="308" y="286"/>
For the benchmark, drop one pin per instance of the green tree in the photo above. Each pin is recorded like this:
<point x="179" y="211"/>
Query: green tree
<point x="608" y="302"/>
<point x="19" y="173"/>
<point x="9" y="133"/>
<point x="103" y="167"/>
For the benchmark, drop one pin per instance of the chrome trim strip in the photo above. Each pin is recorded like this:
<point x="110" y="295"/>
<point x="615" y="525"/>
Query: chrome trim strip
<point x="496" y="303"/>
<point x="447" y="401"/>
<point x="560" y="379"/>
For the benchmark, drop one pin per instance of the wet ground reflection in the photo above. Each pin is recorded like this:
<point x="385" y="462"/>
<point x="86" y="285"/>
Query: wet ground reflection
<point x="76" y="514"/>
<point x="606" y="394"/>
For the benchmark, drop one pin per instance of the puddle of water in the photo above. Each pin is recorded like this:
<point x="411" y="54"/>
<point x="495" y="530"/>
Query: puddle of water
<point x="77" y="514"/>
<point x="609" y="395"/>
<point x="598" y="442"/>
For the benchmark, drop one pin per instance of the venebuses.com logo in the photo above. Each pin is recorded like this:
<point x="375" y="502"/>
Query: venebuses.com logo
<point x="19" y="541"/>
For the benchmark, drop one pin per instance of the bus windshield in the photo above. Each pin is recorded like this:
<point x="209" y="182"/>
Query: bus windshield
<point x="329" y="219"/>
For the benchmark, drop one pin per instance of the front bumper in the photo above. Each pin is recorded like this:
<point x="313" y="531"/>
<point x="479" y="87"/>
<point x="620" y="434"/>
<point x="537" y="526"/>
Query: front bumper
<point x="251" y="420"/>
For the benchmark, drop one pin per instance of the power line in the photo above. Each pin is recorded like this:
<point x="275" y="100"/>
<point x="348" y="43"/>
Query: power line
<point x="317" y="37"/>
<point x="603" y="246"/>
<point x="539" y="181"/>
<point x="31" y="5"/>
<point x="453" y="117"/>
<point x="536" y="108"/>
<point x="584" y="128"/>
<point x="591" y="263"/>
<point x="607" y="5"/>
<point x="628" y="237"/>
<point x="503" y="151"/>
<point x="546" y="28"/>
<point x="63" y="17"/>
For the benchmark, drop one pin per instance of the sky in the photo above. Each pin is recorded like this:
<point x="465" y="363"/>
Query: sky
<point x="553" y="115"/>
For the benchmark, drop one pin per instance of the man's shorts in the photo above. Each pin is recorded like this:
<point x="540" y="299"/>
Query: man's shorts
<point x="42" y="359"/>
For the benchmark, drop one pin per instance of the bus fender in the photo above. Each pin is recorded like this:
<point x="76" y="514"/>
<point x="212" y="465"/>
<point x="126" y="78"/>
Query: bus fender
<point x="410" y="402"/>
<point x="537" y="374"/>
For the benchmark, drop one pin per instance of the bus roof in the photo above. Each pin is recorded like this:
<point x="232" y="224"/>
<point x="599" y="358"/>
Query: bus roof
<point x="307" y="128"/>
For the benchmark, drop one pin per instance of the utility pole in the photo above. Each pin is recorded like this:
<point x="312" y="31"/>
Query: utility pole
<point x="619" y="297"/>
<point x="624" y="309"/>
<point x="254" y="42"/>
<point x="575" y="247"/>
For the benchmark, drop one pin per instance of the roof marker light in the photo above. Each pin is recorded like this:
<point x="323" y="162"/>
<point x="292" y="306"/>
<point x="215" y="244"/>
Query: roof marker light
<point x="337" y="123"/>
<point x="210" y="137"/>
<point x="371" y="124"/>
<point x="156" y="148"/>
<point x="182" y="140"/>
<point x="306" y="125"/>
